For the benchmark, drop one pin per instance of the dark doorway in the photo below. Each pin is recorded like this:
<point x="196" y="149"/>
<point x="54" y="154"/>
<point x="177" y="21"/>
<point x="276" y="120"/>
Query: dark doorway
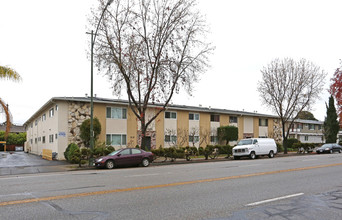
<point x="2" y="147"/>
<point x="148" y="143"/>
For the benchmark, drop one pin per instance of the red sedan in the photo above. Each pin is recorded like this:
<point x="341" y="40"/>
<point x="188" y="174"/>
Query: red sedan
<point x="125" y="157"/>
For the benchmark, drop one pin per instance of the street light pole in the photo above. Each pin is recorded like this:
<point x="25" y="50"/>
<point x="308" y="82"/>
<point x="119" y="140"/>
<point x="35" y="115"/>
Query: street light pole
<point x="93" y="37"/>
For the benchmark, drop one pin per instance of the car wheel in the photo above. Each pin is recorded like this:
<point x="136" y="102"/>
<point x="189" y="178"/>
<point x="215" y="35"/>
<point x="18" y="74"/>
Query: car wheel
<point x="339" y="151"/>
<point x="271" y="154"/>
<point x="236" y="158"/>
<point x="252" y="155"/>
<point x="145" y="162"/>
<point x="110" y="164"/>
<point x="331" y="151"/>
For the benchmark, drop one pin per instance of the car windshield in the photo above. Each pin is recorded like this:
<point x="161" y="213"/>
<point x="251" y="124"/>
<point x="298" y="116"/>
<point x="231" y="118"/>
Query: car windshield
<point x="245" y="142"/>
<point x="326" y="145"/>
<point x="114" y="153"/>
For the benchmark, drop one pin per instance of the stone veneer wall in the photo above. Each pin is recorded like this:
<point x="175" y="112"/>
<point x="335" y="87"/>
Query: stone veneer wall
<point x="78" y="113"/>
<point x="277" y="131"/>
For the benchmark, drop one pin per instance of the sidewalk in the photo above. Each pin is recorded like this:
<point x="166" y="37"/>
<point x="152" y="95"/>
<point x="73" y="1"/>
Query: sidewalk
<point x="63" y="166"/>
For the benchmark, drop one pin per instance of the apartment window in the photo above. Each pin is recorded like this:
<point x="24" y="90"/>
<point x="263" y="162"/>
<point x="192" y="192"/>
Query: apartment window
<point x="232" y="119"/>
<point x="116" y="139"/>
<point x="306" y="138"/>
<point x="36" y="122"/>
<point x="31" y="141"/>
<point x="215" y="118"/>
<point x="31" y="125"/>
<point x="116" y="113"/>
<point x="39" y="139"/>
<point x="35" y="140"/>
<point x="263" y="122"/>
<point x="170" y="138"/>
<point x="213" y="139"/>
<point x="171" y="115"/>
<point x="300" y="126"/>
<point x="56" y="136"/>
<point x="51" y="113"/>
<point x="319" y="127"/>
<point x="51" y="138"/>
<point x="43" y="117"/>
<point x="194" y="116"/>
<point x="43" y="139"/>
<point x="311" y="127"/>
<point x="193" y="139"/>
<point x="56" y="107"/>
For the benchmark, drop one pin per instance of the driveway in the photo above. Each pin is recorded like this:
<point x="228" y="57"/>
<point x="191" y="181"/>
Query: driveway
<point x="12" y="163"/>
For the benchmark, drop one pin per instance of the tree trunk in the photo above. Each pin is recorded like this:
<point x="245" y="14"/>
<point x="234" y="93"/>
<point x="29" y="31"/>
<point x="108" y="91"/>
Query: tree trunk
<point x="284" y="139"/>
<point x="143" y="134"/>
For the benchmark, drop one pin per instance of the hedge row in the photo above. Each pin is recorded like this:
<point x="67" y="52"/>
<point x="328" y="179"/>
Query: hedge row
<point x="80" y="156"/>
<point x="182" y="152"/>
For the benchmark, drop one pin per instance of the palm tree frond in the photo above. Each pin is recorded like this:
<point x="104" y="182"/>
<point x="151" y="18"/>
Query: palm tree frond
<point x="10" y="74"/>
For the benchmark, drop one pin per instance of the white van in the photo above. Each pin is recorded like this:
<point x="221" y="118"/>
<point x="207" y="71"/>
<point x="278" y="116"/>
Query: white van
<point x="255" y="147"/>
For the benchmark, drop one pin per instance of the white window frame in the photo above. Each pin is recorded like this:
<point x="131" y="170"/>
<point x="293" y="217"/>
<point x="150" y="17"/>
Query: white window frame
<point x="51" y="112"/>
<point x="232" y="119"/>
<point x="109" y="114"/>
<point x="123" y="139"/>
<point x="195" y="116"/>
<point x="172" y="115"/>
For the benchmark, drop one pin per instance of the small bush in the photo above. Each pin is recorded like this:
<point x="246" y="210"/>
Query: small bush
<point x="69" y="152"/>
<point x="291" y="142"/>
<point x="280" y="148"/>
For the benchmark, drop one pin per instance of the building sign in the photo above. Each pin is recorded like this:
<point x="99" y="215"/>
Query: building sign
<point x="61" y="134"/>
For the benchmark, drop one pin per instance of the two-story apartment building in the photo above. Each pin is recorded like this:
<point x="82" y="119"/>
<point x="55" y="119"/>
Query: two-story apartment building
<point x="57" y="124"/>
<point x="307" y="131"/>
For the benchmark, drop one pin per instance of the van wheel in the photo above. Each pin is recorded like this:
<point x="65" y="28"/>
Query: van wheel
<point x="252" y="155"/>
<point x="271" y="154"/>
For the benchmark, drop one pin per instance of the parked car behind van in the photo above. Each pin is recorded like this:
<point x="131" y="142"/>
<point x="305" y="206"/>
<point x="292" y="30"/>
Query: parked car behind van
<point x="254" y="147"/>
<point x="329" y="148"/>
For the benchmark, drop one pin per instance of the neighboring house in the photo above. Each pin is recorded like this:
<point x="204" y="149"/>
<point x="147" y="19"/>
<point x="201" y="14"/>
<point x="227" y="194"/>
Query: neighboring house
<point x="57" y="124"/>
<point x="14" y="128"/>
<point x="307" y="131"/>
<point x="339" y="136"/>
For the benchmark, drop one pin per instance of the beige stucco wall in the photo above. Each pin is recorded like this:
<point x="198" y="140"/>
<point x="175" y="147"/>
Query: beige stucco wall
<point x="256" y="127"/>
<point x="205" y="124"/>
<point x="62" y="129"/>
<point x="224" y="120"/>
<point x="159" y="124"/>
<point x="270" y="131"/>
<point x="183" y="126"/>
<point x="100" y="114"/>
<point x="132" y="128"/>
<point x="241" y="127"/>
<point x="45" y="128"/>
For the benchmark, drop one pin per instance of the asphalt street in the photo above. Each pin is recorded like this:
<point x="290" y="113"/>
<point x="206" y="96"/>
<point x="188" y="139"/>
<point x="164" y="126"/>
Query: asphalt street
<point x="16" y="163"/>
<point x="306" y="187"/>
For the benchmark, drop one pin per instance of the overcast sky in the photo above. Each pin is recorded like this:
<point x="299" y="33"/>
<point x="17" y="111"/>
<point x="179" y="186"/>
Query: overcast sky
<point x="46" y="43"/>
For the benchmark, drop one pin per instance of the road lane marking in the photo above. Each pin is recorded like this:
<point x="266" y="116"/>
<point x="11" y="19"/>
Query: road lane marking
<point x="16" y="202"/>
<point x="274" y="199"/>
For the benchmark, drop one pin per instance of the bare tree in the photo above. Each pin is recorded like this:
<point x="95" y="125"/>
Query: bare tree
<point x="182" y="137"/>
<point x="151" y="49"/>
<point x="204" y="136"/>
<point x="173" y="137"/>
<point x="194" y="135"/>
<point x="288" y="87"/>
